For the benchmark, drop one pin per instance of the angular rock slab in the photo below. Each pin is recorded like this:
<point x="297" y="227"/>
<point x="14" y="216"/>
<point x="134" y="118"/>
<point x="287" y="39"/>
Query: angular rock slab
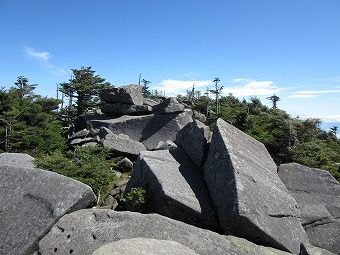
<point x="250" y="198"/>
<point x="174" y="188"/>
<point x="120" y="144"/>
<point x="16" y="159"/>
<point x="119" y="108"/>
<point x="147" y="129"/>
<point x="84" y="231"/>
<point x="169" y="105"/>
<point x="143" y="246"/>
<point x="129" y="94"/>
<point x="317" y="193"/>
<point x="31" y="201"/>
<point x="193" y="138"/>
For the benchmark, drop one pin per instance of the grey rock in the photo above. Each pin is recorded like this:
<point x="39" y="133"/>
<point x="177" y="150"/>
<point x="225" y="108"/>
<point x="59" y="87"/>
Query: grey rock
<point x="151" y="102"/>
<point x="249" y="196"/>
<point x="143" y="246"/>
<point x="119" y="108"/>
<point x="317" y="194"/>
<point x="81" y="141"/>
<point x="174" y="188"/>
<point x="147" y="129"/>
<point x="168" y="145"/>
<point x="83" y="232"/>
<point x="31" y="202"/>
<point x="120" y="145"/>
<point x="169" y="105"/>
<point x="110" y="202"/>
<point x="122" y="183"/>
<point x="125" y="165"/>
<point x="80" y="134"/>
<point x="16" y="159"/>
<point x="308" y="249"/>
<point x="130" y="94"/>
<point x="194" y="139"/>
<point x="200" y="116"/>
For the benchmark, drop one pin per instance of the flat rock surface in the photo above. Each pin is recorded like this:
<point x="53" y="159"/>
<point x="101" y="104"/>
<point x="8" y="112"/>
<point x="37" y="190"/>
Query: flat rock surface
<point x="16" y="159"/>
<point x="317" y="194"/>
<point x="249" y="196"/>
<point x="119" y="108"/>
<point x="174" y="187"/>
<point x="84" y="231"/>
<point x="147" y="129"/>
<point x="129" y="94"/>
<point x="31" y="201"/>
<point x="143" y="246"/>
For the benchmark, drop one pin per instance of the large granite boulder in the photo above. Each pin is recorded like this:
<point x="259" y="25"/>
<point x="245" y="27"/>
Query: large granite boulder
<point x="317" y="194"/>
<point x="129" y="94"/>
<point x="120" y="144"/>
<point x="146" y="246"/>
<point x="174" y="188"/>
<point x="169" y="105"/>
<point x="31" y="202"/>
<point x="83" y="232"/>
<point x="120" y="109"/>
<point x="147" y="129"/>
<point x="249" y="196"/>
<point x="194" y="139"/>
<point x="16" y="159"/>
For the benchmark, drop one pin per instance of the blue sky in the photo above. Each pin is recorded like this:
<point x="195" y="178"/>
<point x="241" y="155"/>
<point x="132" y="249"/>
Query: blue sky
<point x="256" y="47"/>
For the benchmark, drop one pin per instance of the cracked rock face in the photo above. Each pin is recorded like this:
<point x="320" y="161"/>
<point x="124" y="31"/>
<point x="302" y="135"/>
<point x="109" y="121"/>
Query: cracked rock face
<point x="317" y="194"/>
<point x="249" y="196"/>
<point x="31" y="201"/>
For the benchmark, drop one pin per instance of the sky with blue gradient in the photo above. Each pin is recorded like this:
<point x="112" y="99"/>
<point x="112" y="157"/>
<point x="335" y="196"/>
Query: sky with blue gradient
<point x="255" y="47"/>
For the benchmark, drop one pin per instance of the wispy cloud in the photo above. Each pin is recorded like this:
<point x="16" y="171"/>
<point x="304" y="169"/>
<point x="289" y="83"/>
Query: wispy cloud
<point x="250" y="87"/>
<point x="179" y="86"/>
<point x="44" y="57"/>
<point x="37" y="55"/>
<point x="312" y="93"/>
<point x="331" y="118"/>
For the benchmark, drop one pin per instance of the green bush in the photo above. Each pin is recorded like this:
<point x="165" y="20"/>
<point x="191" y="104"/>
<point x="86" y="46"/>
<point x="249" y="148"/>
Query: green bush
<point x="89" y="165"/>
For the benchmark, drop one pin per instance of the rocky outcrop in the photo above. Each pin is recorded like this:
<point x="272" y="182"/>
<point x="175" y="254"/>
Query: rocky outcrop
<point x="147" y="246"/>
<point x="130" y="94"/>
<point x="250" y="199"/>
<point x="31" y="201"/>
<point x="317" y="194"/>
<point x="194" y="139"/>
<point x="174" y="188"/>
<point x="120" y="144"/>
<point x="85" y="231"/>
<point x="147" y="129"/>
<point x="16" y="159"/>
<point x="169" y="105"/>
<point x="119" y="108"/>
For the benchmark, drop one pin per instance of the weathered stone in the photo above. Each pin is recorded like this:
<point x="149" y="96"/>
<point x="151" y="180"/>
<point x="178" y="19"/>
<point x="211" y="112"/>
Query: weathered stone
<point x="120" y="145"/>
<point x="168" y="145"/>
<point x="200" y="116"/>
<point x="143" y="246"/>
<point x="16" y="159"/>
<point x="125" y="165"/>
<point x="249" y="196"/>
<point x="193" y="139"/>
<point x="151" y="102"/>
<point x="83" y="232"/>
<point x="80" y="134"/>
<point x="130" y="94"/>
<point x="31" y="201"/>
<point x="81" y="141"/>
<point x="122" y="183"/>
<point x="147" y="129"/>
<point x="174" y="188"/>
<point x="119" y="108"/>
<point x="169" y="105"/>
<point x="308" y="249"/>
<point x="317" y="194"/>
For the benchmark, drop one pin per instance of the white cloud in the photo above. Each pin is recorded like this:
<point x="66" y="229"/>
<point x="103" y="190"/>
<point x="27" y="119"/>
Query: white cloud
<point x="42" y="55"/>
<point x="331" y="118"/>
<point x="302" y="96"/>
<point x="177" y="86"/>
<point x="252" y="88"/>
<point x="312" y="93"/>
